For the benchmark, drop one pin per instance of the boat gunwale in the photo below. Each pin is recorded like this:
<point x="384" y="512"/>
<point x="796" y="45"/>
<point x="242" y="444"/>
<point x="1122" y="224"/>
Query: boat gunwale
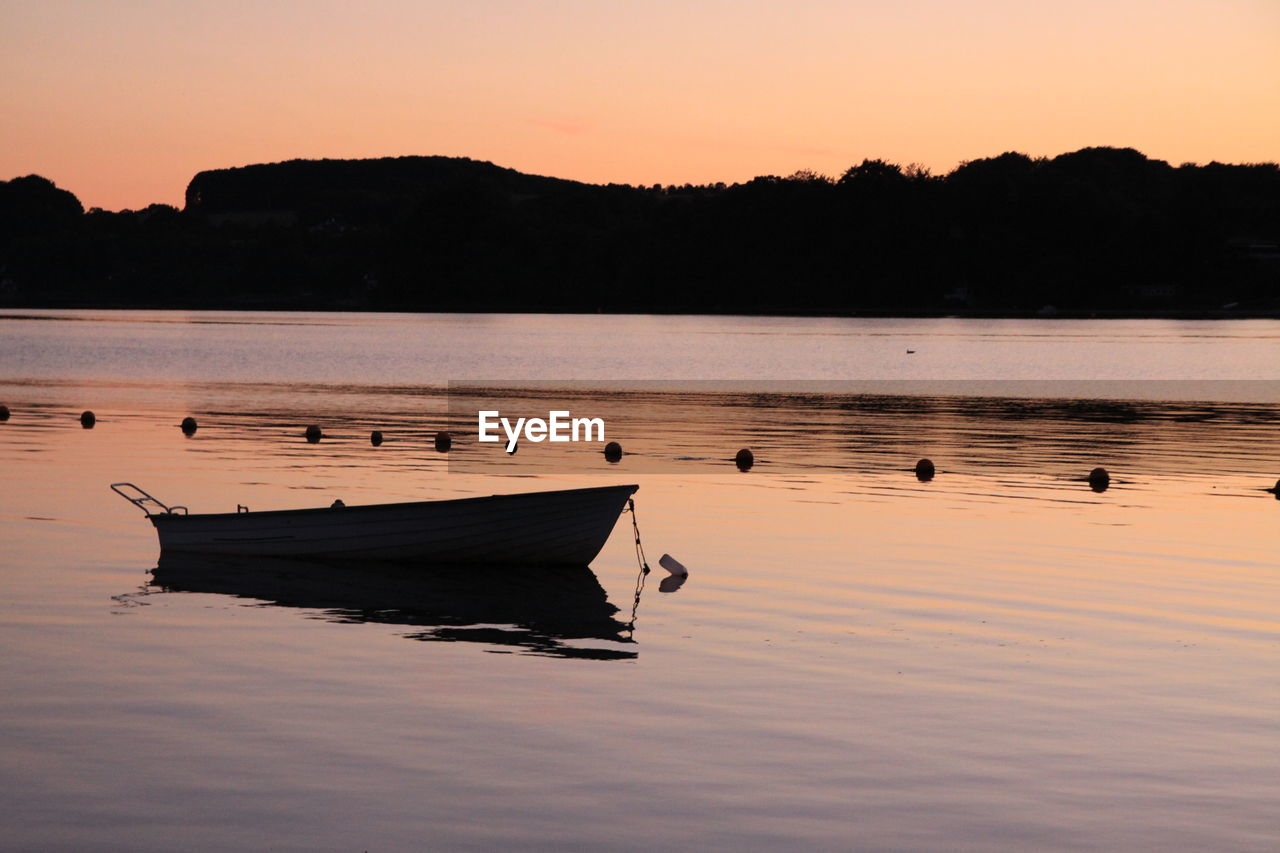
<point x="361" y="508"/>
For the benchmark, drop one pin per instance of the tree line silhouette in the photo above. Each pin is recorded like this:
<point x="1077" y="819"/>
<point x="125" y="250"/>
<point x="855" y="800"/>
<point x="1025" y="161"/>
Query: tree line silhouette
<point x="1096" y="231"/>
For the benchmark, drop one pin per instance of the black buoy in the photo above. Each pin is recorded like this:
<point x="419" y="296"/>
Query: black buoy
<point x="1099" y="479"/>
<point x="612" y="452"/>
<point x="4" y="413"/>
<point x="443" y="442"/>
<point x="313" y="434"/>
<point x="88" y="419"/>
<point x="924" y="470"/>
<point x="189" y="425"/>
<point x="744" y="460"/>
<point x="375" y="437"/>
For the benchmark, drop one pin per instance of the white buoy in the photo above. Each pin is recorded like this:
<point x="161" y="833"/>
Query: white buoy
<point x="671" y="564"/>
<point x="675" y="580"/>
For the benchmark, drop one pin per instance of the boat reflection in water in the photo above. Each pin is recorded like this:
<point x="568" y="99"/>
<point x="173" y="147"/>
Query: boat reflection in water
<point x="545" y="611"/>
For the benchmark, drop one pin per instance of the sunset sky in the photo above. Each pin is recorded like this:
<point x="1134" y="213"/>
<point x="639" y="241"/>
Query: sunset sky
<point x="122" y="102"/>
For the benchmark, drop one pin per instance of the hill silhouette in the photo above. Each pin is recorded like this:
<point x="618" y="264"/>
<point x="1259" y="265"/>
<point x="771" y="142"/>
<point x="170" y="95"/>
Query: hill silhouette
<point x="364" y="191"/>
<point x="1104" y="231"/>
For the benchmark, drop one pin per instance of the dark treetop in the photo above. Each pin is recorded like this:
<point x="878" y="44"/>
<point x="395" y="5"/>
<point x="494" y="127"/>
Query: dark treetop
<point x="1101" y="231"/>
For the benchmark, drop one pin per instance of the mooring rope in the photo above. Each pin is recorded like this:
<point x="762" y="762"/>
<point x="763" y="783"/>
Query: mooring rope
<point x="644" y="565"/>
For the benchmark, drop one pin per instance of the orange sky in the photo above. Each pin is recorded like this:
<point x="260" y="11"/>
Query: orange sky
<point x="122" y="102"/>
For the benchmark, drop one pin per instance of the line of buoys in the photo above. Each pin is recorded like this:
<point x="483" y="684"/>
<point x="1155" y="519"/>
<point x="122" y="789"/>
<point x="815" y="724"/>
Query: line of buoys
<point x="1099" y="479"/>
<point x="312" y="433"/>
<point x="4" y="413"/>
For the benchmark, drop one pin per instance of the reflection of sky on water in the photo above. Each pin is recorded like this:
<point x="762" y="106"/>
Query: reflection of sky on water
<point x="997" y="653"/>
<point x="999" y="636"/>
<point x="1028" y="442"/>
<point x="425" y="349"/>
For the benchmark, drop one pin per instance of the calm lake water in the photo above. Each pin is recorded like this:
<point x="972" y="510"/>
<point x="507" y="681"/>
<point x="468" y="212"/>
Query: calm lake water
<point x="999" y="658"/>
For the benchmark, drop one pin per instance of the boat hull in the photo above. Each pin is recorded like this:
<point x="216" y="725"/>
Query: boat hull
<point x="567" y="527"/>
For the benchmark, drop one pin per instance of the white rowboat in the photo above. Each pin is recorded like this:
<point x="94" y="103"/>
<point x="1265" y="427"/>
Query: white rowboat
<point x="566" y="527"/>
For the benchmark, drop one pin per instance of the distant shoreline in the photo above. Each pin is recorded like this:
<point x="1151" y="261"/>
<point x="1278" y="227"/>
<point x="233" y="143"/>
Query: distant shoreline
<point x="1094" y="233"/>
<point x="1170" y="314"/>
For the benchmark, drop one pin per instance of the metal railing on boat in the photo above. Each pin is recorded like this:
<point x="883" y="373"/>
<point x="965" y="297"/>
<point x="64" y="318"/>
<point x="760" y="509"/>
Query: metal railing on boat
<point x="143" y="499"/>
